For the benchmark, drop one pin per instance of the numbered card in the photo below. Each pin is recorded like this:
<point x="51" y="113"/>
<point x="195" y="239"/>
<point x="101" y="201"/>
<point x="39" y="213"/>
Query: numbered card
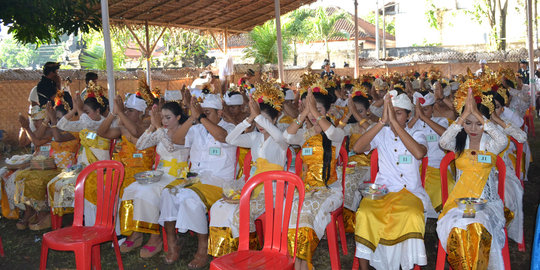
<point x="405" y="159"/>
<point x="91" y="135"/>
<point x="138" y="155"/>
<point x="215" y="151"/>
<point x="484" y="158"/>
<point x="307" y="151"/>
<point x="432" y="138"/>
<point x="45" y="148"/>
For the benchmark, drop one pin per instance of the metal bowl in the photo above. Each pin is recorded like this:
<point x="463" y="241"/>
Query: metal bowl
<point x="148" y="177"/>
<point x="373" y="191"/>
<point x="477" y="204"/>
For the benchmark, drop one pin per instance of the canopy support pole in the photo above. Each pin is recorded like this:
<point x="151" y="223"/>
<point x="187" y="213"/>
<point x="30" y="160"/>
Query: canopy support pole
<point x="108" y="52"/>
<point x="148" y="55"/>
<point x="384" y="31"/>
<point x="532" y="68"/>
<point x="279" y="49"/>
<point x="226" y="40"/>
<point x="215" y="40"/>
<point x="356" y="56"/>
<point x="377" y="41"/>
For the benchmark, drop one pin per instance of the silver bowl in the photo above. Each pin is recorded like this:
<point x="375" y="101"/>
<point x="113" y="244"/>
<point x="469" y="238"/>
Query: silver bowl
<point x="148" y="177"/>
<point x="477" y="204"/>
<point x="373" y="191"/>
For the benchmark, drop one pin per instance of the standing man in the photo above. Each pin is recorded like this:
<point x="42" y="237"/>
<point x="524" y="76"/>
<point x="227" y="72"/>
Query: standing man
<point x="524" y="71"/>
<point x="327" y="71"/>
<point x="482" y="68"/>
<point x="47" y="86"/>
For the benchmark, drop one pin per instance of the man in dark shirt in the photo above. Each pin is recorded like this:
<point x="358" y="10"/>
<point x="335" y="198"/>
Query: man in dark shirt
<point x="327" y="71"/>
<point x="524" y="71"/>
<point x="49" y="84"/>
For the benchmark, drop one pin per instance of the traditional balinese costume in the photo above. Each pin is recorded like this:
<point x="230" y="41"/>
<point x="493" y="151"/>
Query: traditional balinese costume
<point x="390" y="231"/>
<point x="214" y="163"/>
<point x="267" y="155"/>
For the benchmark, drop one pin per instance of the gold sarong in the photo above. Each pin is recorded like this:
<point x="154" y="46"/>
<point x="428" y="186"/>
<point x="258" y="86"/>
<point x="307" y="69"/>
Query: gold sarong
<point x="433" y="186"/>
<point x="90" y="188"/>
<point x="31" y="187"/>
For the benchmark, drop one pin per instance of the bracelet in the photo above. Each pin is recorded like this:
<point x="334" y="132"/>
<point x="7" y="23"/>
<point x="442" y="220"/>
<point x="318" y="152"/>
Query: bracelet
<point x="319" y="118"/>
<point x="297" y="122"/>
<point x="53" y="126"/>
<point x="362" y="122"/>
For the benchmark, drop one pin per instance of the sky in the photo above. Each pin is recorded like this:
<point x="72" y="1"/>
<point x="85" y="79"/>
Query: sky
<point x="364" y="6"/>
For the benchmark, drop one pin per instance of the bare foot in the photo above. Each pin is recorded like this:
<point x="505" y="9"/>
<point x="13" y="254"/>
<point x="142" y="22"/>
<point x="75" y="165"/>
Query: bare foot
<point x="174" y="252"/>
<point x="200" y="260"/>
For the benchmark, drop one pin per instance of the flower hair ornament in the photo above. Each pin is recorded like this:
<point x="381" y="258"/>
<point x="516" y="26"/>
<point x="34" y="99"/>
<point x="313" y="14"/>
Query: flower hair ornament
<point x="95" y="91"/>
<point x="145" y="93"/>
<point x="359" y="90"/>
<point x="313" y="82"/>
<point x="59" y="100"/>
<point x="487" y="100"/>
<point x="270" y="94"/>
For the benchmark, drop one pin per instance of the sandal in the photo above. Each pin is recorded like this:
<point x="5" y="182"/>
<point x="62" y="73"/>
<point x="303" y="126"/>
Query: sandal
<point x="128" y="246"/>
<point x="42" y="224"/>
<point x="149" y="251"/>
<point x="197" y="262"/>
<point x="23" y="224"/>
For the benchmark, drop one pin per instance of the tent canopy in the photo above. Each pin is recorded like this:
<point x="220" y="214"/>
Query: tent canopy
<point x="234" y="16"/>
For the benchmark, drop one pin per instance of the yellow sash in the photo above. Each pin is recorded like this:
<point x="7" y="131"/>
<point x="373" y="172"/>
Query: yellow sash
<point x="176" y="167"/>
<point x="134" y="161"/>
<point x="64" y="153"/>
<point x="262" y="165"/>
<point x="314" y="163"/>
<point x="473" y="177"/>
<point x="98" y="143"/>
<point x="361" y="159"/>
<point x="286" y="119"/>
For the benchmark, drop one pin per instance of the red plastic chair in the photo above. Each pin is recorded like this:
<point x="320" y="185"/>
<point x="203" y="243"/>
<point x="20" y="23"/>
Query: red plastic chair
<point x="374" y="169"/>
<point x="84" y="241"/>
<point x="529" y="121"/>
<point x="274" y="254"/>
<point x="519" y="156"/>
<point x="501" y="167"/>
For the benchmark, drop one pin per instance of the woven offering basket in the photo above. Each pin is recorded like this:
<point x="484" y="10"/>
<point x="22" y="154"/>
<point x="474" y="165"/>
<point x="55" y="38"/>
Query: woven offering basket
<point x="42" y="164"/>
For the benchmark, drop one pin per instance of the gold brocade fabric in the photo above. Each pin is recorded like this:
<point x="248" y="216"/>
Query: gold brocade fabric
<point x="469" y="249"/>
<point x="396" y="217"/>
<point x="433" y="186"/>
<point x="349" y="218"/>
<point x="513" y="158"/>
<point x="241" y="158"/>
<point x="7" y="212"/>
<point x="286" y="119"/>
<point x="314" y="163"/>
<point x="508" y="216"/>
<point x="65" y="153"/>
<point x="128" y="225"/>
<point x="208" y="194"/>
<point x="221" y="242"/>
<point x="31" y="187"/>
<point x="90" y="191"/>
<point x="473" y="178"/>
<point x="175" y="167"/>
<point x="134" y="161"/>
<point x="360" y="159"/>
<point x="262" y="165"/>
<point x="307" y="242"/>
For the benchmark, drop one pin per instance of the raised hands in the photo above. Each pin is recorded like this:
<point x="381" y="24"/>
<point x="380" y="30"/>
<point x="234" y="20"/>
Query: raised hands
<point x="25" y="124"/>
<point x="254" y="109"/>
<point x="118" y="105"/>
<point x="471" y="108"/>
<point x="155" y="117"/>
<point x="195" y="108"/>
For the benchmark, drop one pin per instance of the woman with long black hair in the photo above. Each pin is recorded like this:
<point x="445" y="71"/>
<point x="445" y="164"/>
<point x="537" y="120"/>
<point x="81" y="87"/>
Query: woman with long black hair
<point x="321" y="142"/>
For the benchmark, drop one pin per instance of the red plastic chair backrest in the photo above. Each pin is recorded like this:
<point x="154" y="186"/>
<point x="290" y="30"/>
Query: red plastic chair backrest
<point x="156" y="163"/>
<point x="289" y="158"/>
<point x="445" y="162"/>
<point x="277" y="211"/>
<point x="344" y="161"/>
<point x="374" y="167"/>
<point x="111" y="148"/>
<point x="519" y="156"/>
<point x="109" y="177"/>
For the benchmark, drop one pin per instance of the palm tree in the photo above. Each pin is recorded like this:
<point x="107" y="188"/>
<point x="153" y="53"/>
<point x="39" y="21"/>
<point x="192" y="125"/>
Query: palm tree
<point x="298" y="28"/>
<point x="94" y="58"/>
<point x="264" y="44"/>
<point x="323" y="27"/>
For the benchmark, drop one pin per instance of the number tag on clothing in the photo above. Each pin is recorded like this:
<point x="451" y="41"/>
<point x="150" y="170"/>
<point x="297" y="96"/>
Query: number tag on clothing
<point x="431" y="138"/>
<point x="484" y="159"/>
<point x="91" y="135"/>
<point x="405" y="159"/>
<point x="139" y="155"/>
<point x="215" y="151"/>
<point x="308" y="151"/>
<point x="45" y="148"/>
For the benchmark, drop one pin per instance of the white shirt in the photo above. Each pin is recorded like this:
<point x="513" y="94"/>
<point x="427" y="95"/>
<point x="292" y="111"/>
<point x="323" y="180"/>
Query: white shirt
<point x="334" y="134"/>
<point x="434" y="152"/>
<point x="274" y="149"/>
<point x="394" y="174"/>
<point x="33" y="97"/>
<point x="511" y="117"/>
<point x="341" y="102"/>
<point x="210" y="156"/>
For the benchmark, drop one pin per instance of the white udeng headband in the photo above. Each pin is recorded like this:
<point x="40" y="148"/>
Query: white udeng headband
<point x="133" y="102"/>
<point x="400" y="101"/>
<point x="428" y="99"/>
<point x="212" y="101"/>
<point x="234" y="100"/>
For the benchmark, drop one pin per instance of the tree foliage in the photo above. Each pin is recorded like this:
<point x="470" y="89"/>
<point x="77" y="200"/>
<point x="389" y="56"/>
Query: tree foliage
<point x="264" y="44"/>
<point x="298" y="27"/>
<point x="487" y="10"/>
<point x="14" y="55"/>
<point x="93" y="53"/>
<point x="323" y="27"/>
<point x="188" y="47"/>
<point x="390" y="26"/>
<point x="44" y="22"/>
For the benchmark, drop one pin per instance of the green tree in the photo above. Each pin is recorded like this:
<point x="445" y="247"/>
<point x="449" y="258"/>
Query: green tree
<point x="16" y="55"/>
<point x="40" y="22"/>
<point x="323" y="27"/>
<point x="297" y="26"/>
<point x="487" y="10"/>
<point x="390" y="26"/>
<point x="93" y="53"/>
<point x="264" y="44"/>
<point x="188" y="47"/>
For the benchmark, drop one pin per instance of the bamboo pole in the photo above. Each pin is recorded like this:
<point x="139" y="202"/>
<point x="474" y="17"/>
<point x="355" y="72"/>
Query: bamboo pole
<point x="280" y="52"/>
<point x="356" y="56"/>
<point x="108" y="51"/>
<point x="148" y="55"/>
<point x="532" y="68"/>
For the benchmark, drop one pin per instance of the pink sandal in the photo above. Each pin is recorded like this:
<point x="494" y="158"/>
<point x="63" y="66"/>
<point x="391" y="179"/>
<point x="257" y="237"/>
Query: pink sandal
<point x="128" y="246"/>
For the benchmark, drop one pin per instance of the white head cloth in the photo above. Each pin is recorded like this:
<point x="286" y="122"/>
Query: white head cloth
<point x="416" y="84"/>
<point x="133" y="102"/>
<point x="483" y="61"/>
<point x="400" y="101"/>
<point x="233" y="100"/>
<point x="172" y="95"/>
<point x="212" y="101"/>
<point x="426" y="100"/>
<point x="289" y="95"/>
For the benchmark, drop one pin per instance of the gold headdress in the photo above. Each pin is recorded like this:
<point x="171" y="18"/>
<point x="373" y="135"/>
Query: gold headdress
<point x="434" y="73"/>
<point x="270" y="94"/>
<point x="502" y="91"/>
<point x="60" y="100"/>
<point x="359" y="90"/>
<point x="314" y="82"/>
<point x="487" y="100"/>
<point x="95" y="91"/>
<point x="144" y="92"/>
<point x="462" y="92"/>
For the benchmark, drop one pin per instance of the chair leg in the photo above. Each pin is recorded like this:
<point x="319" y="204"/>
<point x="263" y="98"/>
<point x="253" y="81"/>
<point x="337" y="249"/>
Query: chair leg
<point x="83" y="259"/>
<point x="521" y="246"/>
<point x="165" y="243"/>
<point x="506" y="252"/>
<point x="417" y="267"/>
<point x="2" y="254"/>
<point x="342" y="237"/>
<point x="441" y="257"/>
<point x="43" y="259"/>
<point x="53" y="220"/>
<point x="117" y="252"/>
<point x="96" y="257"/>
<point x="259" y="230"/>
<point x="331" y="236"/>
<point x="355" y="263"/>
